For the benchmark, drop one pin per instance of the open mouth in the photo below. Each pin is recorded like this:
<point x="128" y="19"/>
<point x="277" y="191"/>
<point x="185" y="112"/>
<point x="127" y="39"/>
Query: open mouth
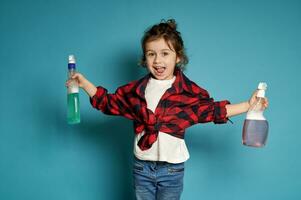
<point x="159" y="70"/>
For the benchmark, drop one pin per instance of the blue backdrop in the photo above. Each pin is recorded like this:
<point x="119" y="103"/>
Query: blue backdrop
<point x="232" y="45"/>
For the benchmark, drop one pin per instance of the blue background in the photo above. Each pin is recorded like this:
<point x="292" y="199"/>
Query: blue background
<point x="232" y="45"/>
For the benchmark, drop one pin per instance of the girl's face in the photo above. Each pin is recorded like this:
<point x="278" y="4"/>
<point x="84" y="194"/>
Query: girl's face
<point x="160" y="59"/>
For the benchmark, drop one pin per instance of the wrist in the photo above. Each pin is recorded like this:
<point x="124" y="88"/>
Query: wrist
<point x="85" y="85"/>
<point x="90" y="89"/>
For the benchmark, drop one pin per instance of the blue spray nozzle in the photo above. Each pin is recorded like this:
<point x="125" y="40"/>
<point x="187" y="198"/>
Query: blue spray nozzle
<point x="71" y="66"/>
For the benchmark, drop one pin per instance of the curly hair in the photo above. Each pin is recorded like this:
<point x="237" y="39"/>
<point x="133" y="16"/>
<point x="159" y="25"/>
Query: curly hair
<point x="166" y="29"/>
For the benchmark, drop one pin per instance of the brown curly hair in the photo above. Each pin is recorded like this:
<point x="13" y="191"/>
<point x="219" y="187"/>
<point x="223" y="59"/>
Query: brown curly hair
<point x="166" y="29"/>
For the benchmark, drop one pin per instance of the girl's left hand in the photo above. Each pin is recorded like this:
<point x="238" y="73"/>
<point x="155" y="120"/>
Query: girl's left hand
<point x="253" y="99"/>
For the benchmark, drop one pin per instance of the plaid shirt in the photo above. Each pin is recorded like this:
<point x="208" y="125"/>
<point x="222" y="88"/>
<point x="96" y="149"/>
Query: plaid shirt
<point x="182" y="105"/>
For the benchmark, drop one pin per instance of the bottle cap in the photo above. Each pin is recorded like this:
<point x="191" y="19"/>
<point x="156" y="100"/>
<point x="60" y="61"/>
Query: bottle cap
<point x="262" y="86"/>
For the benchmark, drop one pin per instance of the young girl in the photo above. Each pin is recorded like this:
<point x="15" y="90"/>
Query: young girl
<point x="162" y="105"/>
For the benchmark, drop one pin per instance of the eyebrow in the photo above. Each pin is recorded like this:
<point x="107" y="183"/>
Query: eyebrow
<point x="160" y="50"/>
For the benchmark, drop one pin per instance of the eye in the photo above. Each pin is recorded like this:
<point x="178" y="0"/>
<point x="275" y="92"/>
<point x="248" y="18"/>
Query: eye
<point x="165" y="53"/>
<point x="150" y="54"/>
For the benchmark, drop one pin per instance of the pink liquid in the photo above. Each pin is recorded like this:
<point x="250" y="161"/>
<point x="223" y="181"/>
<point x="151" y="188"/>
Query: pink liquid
<point x="255" y="133"/>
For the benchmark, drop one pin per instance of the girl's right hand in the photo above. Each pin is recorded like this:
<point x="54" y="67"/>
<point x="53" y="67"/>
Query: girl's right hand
<point x="79" y="78"/>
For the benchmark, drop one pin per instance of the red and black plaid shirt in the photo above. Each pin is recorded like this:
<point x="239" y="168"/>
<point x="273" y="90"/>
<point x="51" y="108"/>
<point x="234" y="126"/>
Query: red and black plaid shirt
<point x="182" y="105"/>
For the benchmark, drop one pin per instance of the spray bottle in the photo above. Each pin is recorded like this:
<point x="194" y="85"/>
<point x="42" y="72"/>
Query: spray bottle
<point x="255" y="129"/>
<point x="73" y="113"/>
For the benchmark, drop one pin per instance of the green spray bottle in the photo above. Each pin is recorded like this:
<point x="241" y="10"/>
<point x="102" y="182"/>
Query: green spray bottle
<point x="73" y="113"/>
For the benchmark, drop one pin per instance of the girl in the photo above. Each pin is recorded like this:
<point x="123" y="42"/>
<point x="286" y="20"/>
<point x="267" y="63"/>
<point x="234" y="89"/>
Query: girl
<point x="162" y="105"/>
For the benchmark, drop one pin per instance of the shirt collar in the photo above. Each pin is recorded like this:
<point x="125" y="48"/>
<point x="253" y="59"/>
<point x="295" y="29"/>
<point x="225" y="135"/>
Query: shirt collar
<point x="181" y="83"/>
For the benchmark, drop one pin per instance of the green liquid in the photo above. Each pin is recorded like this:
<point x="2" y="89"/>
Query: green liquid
<point x="73" y="108"/>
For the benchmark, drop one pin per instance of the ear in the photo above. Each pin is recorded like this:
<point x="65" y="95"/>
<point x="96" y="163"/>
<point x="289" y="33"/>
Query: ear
<point x="178" y="60"/>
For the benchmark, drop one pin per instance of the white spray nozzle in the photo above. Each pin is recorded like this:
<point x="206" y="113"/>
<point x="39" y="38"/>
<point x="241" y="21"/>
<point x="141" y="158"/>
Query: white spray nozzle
<point x="71" y="59"/>
<point x="262" y="86"/>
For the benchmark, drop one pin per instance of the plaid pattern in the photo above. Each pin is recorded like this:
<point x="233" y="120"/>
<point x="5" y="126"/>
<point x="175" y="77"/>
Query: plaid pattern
<point x="181" y="106"/>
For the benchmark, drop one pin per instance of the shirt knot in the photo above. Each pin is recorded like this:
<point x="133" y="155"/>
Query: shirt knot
<point x="150" y="135"/>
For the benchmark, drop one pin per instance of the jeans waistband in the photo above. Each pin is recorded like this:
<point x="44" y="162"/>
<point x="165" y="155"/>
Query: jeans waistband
<point x="154" y="162"/>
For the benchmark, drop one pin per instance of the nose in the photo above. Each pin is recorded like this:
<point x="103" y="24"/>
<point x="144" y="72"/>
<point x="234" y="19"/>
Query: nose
<point x="157" y="59"/>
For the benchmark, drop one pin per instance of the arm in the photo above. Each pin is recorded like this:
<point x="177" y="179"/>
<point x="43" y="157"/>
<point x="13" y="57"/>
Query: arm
<point x="100" y="99"/>
<point x="220" y="111"/>
<point x="236" y="109"/>
<point x="89" y="88"/>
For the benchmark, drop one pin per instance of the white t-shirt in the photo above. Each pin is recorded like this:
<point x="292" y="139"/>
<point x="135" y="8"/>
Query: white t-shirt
<point x="166" y="148"/>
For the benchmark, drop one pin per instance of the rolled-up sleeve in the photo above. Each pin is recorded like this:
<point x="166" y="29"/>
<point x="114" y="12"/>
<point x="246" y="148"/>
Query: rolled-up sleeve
<point x="111" y="104"/>
<point x="212" y="111"/>
<point x="100" y="100"/>
<point x="220" y="112"/>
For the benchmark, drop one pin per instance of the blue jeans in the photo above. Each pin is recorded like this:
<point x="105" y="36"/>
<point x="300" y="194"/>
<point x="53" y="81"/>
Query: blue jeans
<point x="157" y="180"/>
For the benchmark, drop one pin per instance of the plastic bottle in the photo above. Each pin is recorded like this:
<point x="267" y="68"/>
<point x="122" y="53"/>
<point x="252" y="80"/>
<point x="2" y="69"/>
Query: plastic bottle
<point x="73" y="113"/>
<point x="255" y="129"/>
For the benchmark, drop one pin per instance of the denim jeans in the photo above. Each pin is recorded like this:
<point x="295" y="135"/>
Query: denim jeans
<point x="157" y="180"/>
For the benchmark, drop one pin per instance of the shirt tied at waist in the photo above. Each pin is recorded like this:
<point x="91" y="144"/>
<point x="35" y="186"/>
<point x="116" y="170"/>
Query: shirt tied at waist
<point x="150" y="135"/>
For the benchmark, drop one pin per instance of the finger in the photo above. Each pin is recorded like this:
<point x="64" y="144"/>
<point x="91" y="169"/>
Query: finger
<point x="68" y="83"/>
<point x="266" y="105"/>
<point x="254" y="94"/>
<point x="75" y="75"/>
<point x="78" y="75"/>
